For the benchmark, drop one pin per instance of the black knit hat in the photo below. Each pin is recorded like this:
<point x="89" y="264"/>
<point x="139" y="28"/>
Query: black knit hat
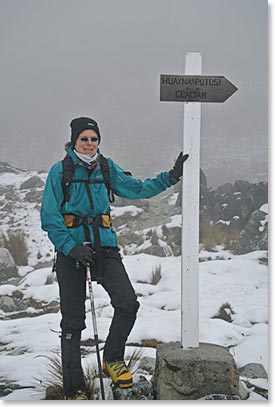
<point x="80" y="124"/>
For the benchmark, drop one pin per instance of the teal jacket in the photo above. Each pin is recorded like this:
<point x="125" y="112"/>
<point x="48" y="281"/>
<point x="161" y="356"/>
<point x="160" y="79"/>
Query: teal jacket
<point x="53" y="207"/>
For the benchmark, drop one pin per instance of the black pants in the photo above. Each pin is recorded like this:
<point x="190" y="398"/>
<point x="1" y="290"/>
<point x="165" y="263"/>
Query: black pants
<point x="72" y="288"/>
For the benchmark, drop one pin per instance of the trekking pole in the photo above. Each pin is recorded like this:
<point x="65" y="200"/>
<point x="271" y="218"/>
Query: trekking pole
<point x="92" y="301"/>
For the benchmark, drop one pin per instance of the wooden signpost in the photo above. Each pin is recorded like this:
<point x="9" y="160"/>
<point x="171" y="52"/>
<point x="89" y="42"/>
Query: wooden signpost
<point x="194" y="89"/>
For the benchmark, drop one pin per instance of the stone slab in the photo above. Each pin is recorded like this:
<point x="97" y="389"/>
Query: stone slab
<point x="189" y="374"/>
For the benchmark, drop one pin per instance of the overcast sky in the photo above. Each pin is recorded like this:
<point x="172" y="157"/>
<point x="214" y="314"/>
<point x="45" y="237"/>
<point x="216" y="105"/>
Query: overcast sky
<point x="103" y="58"/>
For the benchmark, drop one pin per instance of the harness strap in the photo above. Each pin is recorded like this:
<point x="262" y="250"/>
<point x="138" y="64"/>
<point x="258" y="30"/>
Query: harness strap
<point x="73" y="221"/>
<point x="106" y="174"/>
<point x="104" y="221"/>
<point x="98" y="254"/>
<point x="89" y="195"/>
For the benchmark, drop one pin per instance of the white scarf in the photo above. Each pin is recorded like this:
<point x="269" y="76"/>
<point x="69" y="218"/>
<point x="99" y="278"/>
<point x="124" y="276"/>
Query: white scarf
<point x="85" y="157"/>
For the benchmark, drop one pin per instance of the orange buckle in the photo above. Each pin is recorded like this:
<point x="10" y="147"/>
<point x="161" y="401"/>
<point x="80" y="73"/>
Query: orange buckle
<point x="106" y="221"/>
<point x="69" y="220"/>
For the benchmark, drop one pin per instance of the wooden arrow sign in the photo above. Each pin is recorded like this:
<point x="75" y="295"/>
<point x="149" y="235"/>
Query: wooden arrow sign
<point x="195" y="88"/>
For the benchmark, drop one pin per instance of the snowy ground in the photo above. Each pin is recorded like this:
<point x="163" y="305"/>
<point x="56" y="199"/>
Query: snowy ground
<point x="241" y="281"/>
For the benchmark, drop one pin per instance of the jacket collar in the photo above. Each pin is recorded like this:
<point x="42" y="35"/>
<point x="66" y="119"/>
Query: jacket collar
<point x="75" y="159"/>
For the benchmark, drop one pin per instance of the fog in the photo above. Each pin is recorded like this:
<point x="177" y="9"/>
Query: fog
<point x="100" y="58"/>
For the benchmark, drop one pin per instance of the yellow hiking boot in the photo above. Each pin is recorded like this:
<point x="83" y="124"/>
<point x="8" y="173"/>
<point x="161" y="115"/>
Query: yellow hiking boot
<point x="119" y="373"/>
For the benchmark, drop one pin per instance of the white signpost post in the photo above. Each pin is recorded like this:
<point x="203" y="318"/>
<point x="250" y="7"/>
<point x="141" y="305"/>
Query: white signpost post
<point x="190" y="215"/>
<point x="194" y="89"/>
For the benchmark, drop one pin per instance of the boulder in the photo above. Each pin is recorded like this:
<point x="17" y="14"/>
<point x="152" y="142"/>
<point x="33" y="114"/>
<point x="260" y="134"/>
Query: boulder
<point x="10" y="304"/>
<point x="226" y="189"/>
<point x="33" y="182"/>
<point x="189" y="374"/>
<point x="141" y="390"/>
<point x="253" y="371"/>
<point x="148" y="364"/>
<point x="33" y="196"/>
<point x="5" y="167"/>
<point x="159" y="251"/>
<point x="254" y="236"/>
<point x="220" y="397"/>
<point x="8" y="268"/>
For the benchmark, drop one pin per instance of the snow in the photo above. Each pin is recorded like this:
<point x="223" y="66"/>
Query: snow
<point x="244" y="353"/>
<point x="7" y="289"/>
<point x="224" y="222"/>
<point x="240" y="281"/>
<point x="36" y="278"/>
<point x="175" y="221"/>
<point x="129" y="209"/>
<point x="264" y="208"/>
<point x="173" y="198"/>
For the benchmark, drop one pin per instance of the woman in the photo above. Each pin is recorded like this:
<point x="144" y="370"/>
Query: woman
<point x="75" y="210"/>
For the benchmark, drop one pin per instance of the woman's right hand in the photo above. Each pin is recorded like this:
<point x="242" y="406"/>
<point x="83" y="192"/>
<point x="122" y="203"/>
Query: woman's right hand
<point x="83" y="254"/>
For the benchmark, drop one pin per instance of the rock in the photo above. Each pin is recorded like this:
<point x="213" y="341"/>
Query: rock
<point x="252" y="387"/>
<point x="203" y="179"/>
<point x="254" y="236"/>
<point x="126" y="237"/>
<point x="220" y="397"/>
<point x="203" y="187"/>
<point x="243" y="391"/>
<point x="33" y="196"/>
<point x="18" y="352"/>
<point x="108" y="392"/>
<point x="5" y="167"/>
<point x="226" y="189"/>
<point x="33" y="182"/>
<point x="148" y="364"/>
<point x="263" y="240"/>
<point x="142" y="390"/>
<point x="244" y="186"/>
<point x="18" y="294"/>
<point x="173" y="239"/>
<point x="253" y="371"/>
<point x="140" y="203"/>
<point x="189" y="374"/>
<point x="8" y="268"/>
<point x="7" y="387"/>
<point x="9" y="304"/>
<point x="156" y="250"/>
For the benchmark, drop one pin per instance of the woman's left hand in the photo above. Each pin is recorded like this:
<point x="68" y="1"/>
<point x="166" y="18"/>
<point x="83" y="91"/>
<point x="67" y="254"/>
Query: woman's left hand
<point x="176" y="172"/>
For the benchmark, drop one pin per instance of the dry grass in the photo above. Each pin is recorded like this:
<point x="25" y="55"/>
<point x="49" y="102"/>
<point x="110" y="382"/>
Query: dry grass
<point x="154" y="238"/>
<point x="212" y="235"/>
<point x="156" y="274"/>
<point x="53" y="380"/>
<point x="123" y="240"/>
<point x="16" y="243"/>
<point x="133" y="359"/>
<point x="50" y="279"/>
<point x="231" y="241"/>
<point x="149" y="343"/>
<point x="52" y="384"/>
<point x="225" y="312"/>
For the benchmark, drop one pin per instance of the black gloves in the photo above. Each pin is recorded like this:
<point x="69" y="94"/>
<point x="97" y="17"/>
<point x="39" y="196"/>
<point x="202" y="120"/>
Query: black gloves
<point x="84" y="254"/>
<point x="176" y="172"/>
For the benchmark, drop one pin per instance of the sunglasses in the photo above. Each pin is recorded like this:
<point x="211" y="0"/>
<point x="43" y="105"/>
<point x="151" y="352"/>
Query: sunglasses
<point x="85" y="139"/>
